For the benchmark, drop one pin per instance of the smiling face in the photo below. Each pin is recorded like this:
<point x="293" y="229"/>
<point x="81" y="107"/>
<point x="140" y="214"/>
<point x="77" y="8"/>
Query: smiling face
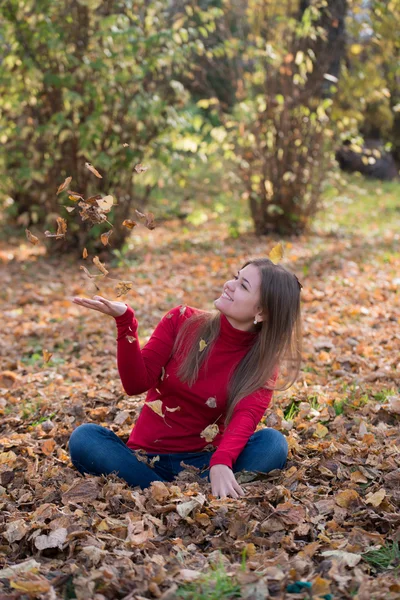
<point x="240" y="299"/>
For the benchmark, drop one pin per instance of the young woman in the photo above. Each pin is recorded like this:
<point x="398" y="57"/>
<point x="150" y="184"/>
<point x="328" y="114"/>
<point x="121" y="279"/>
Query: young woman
<point x="209" y="378"/>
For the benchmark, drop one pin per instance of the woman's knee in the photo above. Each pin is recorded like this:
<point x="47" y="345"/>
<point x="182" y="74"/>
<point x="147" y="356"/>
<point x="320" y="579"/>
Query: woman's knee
<point x="81" y="438"/>
<point x="271" y="439"/>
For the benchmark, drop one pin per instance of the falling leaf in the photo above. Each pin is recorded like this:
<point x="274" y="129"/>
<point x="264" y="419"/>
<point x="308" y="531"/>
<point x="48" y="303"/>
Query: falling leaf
<point x="61" y="229"/>
<point x="123" y="287"/>
<point x="140" y="168"/>
<point x="125" y="145"/>
<point x="46" y="356"/>
<point x="129" y="223"/>
<point x="148" y="219"/>
<point x="276" y="253"/>
<point x="31" y="238"/>
<point x="100" y="265"/>
<point x="93" y="199"/>
<point x="84" y="253"/>
<point x="88" y="274"/>
<point x="64" y="185"/>
<point x="210" y="432"/>
<point x="93" y="170"/>
<point x="106" y="203"/>
<point x="202" y="345"/>
<point x="105" y="237"/>
<point x="212" y="402"/>
<point x="376" y="498"/>
<point x="173" y="409"/>
<point x="182" y="310"/>
<point x="70" y="209"/>
<point x="74" y="196"/>
<point x="156" y="406"/>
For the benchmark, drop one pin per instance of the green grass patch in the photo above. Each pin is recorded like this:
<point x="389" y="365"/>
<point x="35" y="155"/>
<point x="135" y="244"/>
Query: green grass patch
<point x="215" y="585"/>
<point x="387" y="557"/>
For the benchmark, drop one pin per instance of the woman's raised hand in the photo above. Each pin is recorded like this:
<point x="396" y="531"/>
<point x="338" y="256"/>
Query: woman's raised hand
<point x="108" y="307"/>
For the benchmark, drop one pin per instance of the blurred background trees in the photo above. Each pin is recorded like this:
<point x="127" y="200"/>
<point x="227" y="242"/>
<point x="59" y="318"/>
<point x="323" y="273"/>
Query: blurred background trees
<point x="248" y="99"/>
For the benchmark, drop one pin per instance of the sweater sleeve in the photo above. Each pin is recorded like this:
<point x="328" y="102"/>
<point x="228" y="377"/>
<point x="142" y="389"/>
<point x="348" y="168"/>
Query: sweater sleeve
<point x="245" y="418"/>
<point x="138" y="369"/>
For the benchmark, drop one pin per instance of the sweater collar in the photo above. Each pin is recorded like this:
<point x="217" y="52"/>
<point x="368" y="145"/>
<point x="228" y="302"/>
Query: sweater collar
<point x="234" y="336"/>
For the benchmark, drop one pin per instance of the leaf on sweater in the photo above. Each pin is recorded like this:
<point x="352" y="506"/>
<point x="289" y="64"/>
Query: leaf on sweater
<point x="156" y="406"/>
<point x="64" y="185"/>
<point x="212" y="402"/>
<point x="210" y="432"/>
<point x="173" y="409"/>
<point x="276" y="253"/>
<point x="123" y="288"/>
<point x="182" y="310"/>
<point x="100" y="265"/>
<point x="202" y="345"/>
<point x="31" y="238"/>
<point x="376" y="498"/>
<point x="130" y="338"/>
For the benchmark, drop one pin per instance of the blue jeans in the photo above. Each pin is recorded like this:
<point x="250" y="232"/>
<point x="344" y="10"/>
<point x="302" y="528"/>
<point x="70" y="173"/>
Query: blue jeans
<point x="96" y="450"/>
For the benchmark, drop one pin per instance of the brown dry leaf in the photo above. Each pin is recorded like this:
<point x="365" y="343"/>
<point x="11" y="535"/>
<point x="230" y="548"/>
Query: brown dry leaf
<point x="31" y="584"/>
<point x="15" y="531"/>
<point x="48" y="447"/>
<point x="105" y="204"/>
<point x="276" y="253"/>
<point x="55" y="539"/>
<point x="321" y="431"/>
<point x="202" y="345"/>
<point x="64" y="185"/>
<point x="46" y="355"/>
<point x="8" y="458"/>
<point x="85" y="253"/>
<point x="31" y="238"/>
<point x="129" y="223"/>
<point x="74" y="196"/>
<point x="100" y="265"/>
<point x="93" y="170"/>
<point x="376" y="498"/>
<point x="70" y="209"/>
<point x="210" y="432"/>
<point x="140" y="168"/>
<point x="123" y="287"/>
<point x="159" y="491"/>
<point x="105" y="237"/>
<point x="61" y="229"/>
<point x="125" y="145"/>
<point x="156" y="406"/>
<point x="346" y="498"/>
<point x="81" y="492"/>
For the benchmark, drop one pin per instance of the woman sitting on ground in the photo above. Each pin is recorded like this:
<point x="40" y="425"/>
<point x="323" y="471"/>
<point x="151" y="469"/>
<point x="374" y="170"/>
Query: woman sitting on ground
<point x="209" y="377"/>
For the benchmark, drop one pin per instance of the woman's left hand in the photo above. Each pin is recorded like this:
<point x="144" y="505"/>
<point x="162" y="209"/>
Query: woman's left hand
<point x="223" y="482"/>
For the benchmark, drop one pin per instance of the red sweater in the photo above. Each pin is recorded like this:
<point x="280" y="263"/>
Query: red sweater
<point x="152" y="369"/>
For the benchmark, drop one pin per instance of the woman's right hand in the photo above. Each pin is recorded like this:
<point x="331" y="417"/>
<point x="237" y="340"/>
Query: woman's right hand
<point x="108" y="307"/>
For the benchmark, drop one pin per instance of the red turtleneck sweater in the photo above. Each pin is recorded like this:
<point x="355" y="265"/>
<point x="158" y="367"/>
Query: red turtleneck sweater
<point x="153" y="369"/>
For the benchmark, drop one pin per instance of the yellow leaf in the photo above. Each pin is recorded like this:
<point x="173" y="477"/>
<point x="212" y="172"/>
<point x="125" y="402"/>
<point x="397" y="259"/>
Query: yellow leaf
<point x="36" y="585"/>
<point x="129" y="223"/>
<point x="321" y="431"/>
<point x="377" y="498"/>
<point x="156" y="406"/>
<point x="100" y="265"/>
<point x="210" y="432"/>
<point x="347" y="498"/>
<point x="46" y="356"/>
<point x="276" y="253"/>
<point x="85" y="253"/>
<point x="105" y="204"/>
<point x="202" y="345"/>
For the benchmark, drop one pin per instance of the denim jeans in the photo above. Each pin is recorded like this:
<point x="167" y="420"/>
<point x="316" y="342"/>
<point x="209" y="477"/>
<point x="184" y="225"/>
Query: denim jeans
<point x="96" y="450"/>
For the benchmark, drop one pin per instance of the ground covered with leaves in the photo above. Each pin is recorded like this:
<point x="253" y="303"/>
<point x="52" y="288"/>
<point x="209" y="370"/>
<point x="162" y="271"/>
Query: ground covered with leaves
<point x="328" y="526"/>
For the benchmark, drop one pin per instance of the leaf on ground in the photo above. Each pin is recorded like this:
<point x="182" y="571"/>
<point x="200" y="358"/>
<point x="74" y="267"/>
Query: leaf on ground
<point x="31" y="238"/>
<point x="347" y="498"/>
<point x="48" y="447"/>
<point x="100" y="265"/>
<point x="82" y="491"/>
<point x="210" y="432"/>
<point x="93" y="170"/>
<point x="55" y="539"/>
<point x="376" y="498"/>
<point x="31" y="584"/>
<point x="64" y="185"/>
<point x="159" y="491"/>
<point x="15" y="531"/>
<point x="350" y="559"/>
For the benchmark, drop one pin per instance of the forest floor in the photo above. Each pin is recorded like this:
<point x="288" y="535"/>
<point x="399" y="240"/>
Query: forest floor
<point x="327" y="526"/>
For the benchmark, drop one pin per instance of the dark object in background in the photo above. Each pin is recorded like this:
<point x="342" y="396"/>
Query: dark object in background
<point x="369" y="160"/>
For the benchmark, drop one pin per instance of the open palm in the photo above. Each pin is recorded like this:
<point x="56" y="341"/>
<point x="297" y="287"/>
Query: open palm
<point x="108" y="307"/>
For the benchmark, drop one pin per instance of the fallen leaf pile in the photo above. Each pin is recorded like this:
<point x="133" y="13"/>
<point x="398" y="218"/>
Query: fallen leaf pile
<point x="304" y="532"/>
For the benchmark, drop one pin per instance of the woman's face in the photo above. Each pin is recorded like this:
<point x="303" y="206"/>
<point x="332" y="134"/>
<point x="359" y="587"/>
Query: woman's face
<point x="240" y="299"/>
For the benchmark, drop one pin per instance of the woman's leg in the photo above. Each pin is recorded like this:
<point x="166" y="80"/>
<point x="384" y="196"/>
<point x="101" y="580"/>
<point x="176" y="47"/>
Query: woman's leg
<point x="96" y="450"/>
<point x="265" y="451"/>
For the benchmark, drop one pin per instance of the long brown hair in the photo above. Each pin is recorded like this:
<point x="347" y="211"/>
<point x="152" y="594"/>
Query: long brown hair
<point x="278" y="345"/>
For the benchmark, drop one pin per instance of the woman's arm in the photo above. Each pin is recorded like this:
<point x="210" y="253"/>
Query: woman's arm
<point x="140" y="370"/>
